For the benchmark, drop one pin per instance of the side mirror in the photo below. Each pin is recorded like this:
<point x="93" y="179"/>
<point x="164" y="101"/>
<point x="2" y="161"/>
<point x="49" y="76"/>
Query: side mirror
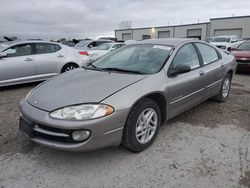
<point x="3" y="54"/>
<point x="112" y="49"/>
<point x="180" y="69"/>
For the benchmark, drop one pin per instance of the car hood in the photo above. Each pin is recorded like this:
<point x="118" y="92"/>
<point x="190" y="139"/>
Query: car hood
<point x="241" y="54"/>
<point x="79" y="86"/>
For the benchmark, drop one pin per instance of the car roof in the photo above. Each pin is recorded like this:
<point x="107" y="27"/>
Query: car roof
<point x="167" y="41"/>
<point x="13" y="43"/>
<point x="29" y="41"/>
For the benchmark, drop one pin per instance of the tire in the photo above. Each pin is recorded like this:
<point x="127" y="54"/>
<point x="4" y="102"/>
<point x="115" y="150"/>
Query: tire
<point x="69" y="67"/>
<point x="136" y="135"/>
<point x="225" y="89"/>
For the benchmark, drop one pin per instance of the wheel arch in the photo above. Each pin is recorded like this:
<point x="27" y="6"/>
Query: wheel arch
<point x="160" y="100"/>
<point x="67" y="64"/>
<point x="230" y="72"/>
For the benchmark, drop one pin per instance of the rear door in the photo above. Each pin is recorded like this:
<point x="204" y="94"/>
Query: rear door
<point x="187" y="89"/>
<point x="213" y="68"/>
<point x="48" y="57"/>
<point x="19" y="65"/>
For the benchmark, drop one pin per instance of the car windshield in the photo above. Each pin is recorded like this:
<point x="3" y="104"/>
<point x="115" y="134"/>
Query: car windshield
<point x="221" y="39"/>
<point x="82" y="43"/>
<point x="245" y="46"/>
<point x="141" y="58"/>
<point x="104" y="47"/>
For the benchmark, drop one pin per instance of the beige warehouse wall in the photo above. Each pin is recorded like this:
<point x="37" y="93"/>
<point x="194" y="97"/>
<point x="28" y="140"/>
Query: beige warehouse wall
<point x="232" y="23"/>
<point x="242" y="23"/>
<point x="181" y="31"/>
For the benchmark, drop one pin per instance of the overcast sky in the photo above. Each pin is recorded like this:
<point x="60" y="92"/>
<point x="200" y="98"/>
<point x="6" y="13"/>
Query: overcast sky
<point x="91" y="18"/>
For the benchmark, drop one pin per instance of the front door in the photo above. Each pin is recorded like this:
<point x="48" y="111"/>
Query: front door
<point x="18" y="66"/>
<point x="187" y="89"/>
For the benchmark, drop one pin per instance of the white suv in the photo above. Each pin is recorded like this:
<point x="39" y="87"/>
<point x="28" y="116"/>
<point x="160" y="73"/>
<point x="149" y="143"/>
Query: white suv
<point x="224" y="42"/>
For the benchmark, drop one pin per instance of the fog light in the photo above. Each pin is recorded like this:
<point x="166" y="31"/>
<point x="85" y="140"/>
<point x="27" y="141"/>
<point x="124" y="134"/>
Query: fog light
<point x="80" y="135"/>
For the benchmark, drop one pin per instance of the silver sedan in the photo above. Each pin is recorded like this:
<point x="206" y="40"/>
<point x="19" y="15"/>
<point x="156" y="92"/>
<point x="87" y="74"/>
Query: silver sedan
<point x="29" y="61"/>
<point x="125" y="96"/>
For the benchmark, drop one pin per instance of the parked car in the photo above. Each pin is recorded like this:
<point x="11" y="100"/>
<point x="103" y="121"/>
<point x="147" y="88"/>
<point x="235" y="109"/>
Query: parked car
<point x="85" y="45"/>
<point x="103" y="49"/>
<point x="126" y="95"/>
<point x="224" y="42"/>
<point x="29" y="61"/>
<point x="242" y="55"/>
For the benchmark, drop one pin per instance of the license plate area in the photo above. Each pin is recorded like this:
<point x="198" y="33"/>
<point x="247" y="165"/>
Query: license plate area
<point x="26" y="127"/>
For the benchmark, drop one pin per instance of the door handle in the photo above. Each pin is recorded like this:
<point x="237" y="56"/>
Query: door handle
<point x="60" y="55"/>
<point x="202" y="73"/>
<point x="28" y="59"/>
<point x="222" y="65"/>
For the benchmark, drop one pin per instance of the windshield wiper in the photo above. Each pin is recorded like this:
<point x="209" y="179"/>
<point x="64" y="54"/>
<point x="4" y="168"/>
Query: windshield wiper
<point x="93" y="67"/>
<point x="122" y="70"/>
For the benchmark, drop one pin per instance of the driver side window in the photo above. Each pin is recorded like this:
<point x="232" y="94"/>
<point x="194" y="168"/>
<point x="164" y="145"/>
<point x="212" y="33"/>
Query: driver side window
<point x="186" y="56"/>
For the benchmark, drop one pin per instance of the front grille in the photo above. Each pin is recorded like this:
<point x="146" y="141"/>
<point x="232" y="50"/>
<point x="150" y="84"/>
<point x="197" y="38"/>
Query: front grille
<point x="242" y="61"/>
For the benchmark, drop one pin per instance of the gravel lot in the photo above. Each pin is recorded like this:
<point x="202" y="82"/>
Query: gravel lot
<point x="207" y="146"/>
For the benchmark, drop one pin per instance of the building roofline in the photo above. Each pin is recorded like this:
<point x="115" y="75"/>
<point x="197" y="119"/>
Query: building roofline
<point x="170" y="26"/>
<point x="221" y="18"/>
<point x="232" y="17"/>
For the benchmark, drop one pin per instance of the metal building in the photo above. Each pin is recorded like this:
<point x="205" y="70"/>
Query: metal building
<point x="216" y="27"/>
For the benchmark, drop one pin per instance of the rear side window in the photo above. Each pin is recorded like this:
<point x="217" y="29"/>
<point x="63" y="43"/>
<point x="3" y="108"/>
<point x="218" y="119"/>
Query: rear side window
<point x="98" y="43"/>
<point x="208" y="53"/>
<point x="19" y="50"/>
<point x="44" y="48"/>
<point x="188" y="56"/>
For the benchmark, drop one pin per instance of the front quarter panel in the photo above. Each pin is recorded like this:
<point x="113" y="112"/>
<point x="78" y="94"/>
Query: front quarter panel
<point x="129" y="96"/>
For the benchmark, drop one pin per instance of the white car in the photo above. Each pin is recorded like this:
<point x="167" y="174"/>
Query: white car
<point x="225" y="42"/>
<point x="103" y="49"/>
<point x="30" y="61"/>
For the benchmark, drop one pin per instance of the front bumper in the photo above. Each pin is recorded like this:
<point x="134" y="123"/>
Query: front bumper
<point x="105" y="132"/>
<point x="243" y="67"/>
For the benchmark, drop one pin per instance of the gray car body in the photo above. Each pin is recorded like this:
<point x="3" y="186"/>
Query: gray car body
<point x="122" y="91"/>
<point x="36" y="67"/>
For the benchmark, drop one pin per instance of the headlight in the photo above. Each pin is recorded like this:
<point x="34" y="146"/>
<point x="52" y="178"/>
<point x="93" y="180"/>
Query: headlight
<point x="82" y="112"/>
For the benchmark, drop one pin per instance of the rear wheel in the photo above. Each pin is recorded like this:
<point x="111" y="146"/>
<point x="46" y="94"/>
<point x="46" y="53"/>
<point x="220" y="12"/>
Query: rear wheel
<point x="225" y="89"/>
<point x="69" y="67"/>
<point x="142" y="125"/>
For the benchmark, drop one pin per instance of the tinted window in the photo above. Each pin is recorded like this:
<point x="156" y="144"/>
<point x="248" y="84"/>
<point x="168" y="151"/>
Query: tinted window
<point x="19" y="50"/>
<point x="82" y="43"/>
<point x="188" y="56"/>
<point x="245" y="46"/>
<point x="208" y="53"/>
<point x="221" y="39"/>
<point x="98" y="43"/>
<point x="44" y="48"/>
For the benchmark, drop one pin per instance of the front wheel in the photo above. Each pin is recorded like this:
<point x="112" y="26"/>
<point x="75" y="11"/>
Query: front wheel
<point x="225" y="89"/>
<point x="142" y="125"/>
<point x="69" y="67"/>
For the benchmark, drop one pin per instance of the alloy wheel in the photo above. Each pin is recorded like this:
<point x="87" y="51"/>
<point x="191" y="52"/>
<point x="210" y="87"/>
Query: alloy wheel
<point x="226" y="87"/>
<point x="146" y="126"/>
